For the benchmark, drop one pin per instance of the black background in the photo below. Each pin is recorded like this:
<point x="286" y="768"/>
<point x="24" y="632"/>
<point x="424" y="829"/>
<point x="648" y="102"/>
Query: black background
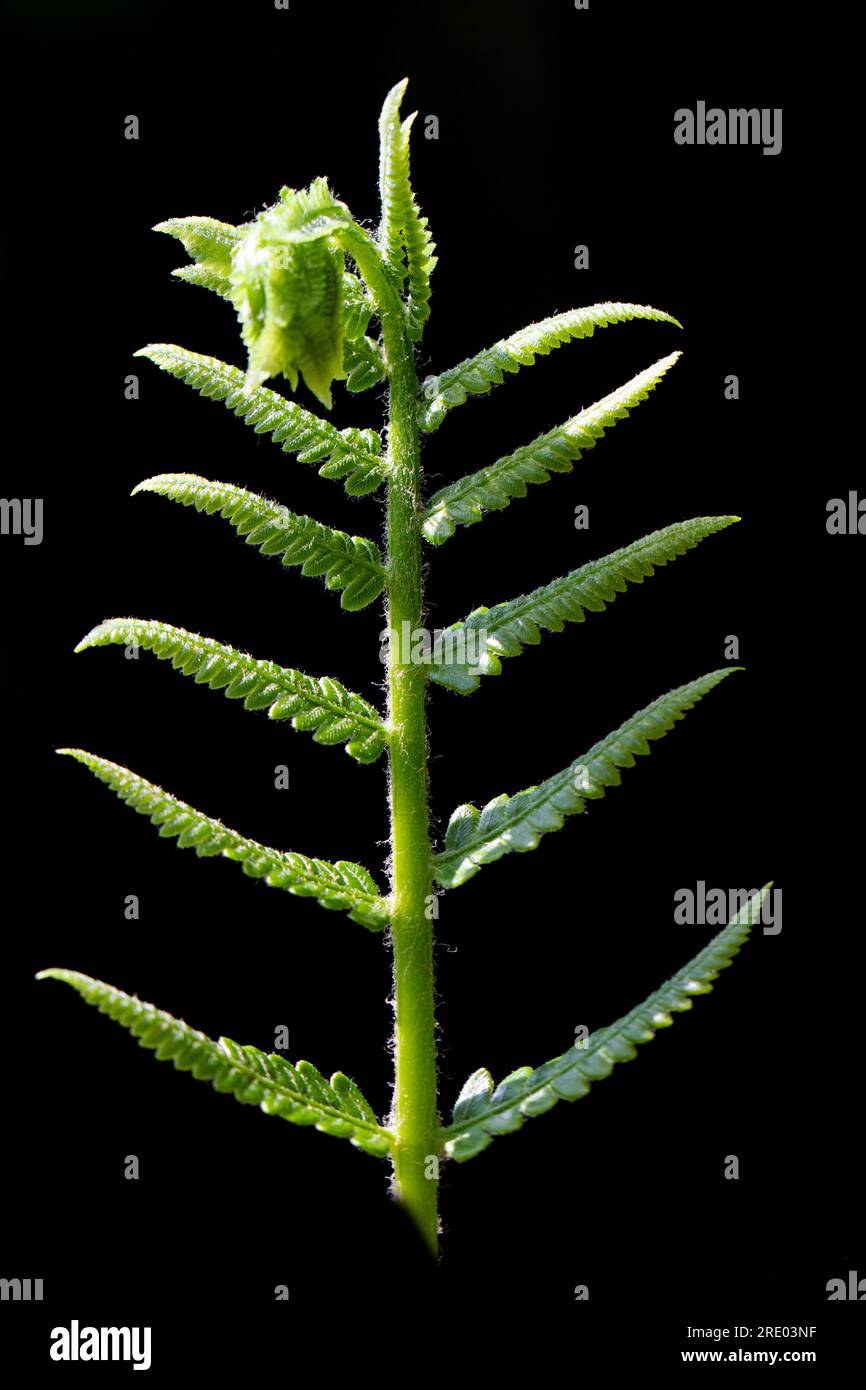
<point x="555" y="130"/>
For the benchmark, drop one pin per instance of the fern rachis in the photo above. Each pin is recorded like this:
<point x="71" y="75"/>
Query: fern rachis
<point x="321" y="300"/>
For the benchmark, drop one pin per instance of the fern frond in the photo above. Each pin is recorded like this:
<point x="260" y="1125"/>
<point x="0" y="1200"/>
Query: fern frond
<point x="363" y="361"/>
<point x="516" y="823"/>
<point x="303" y="215"/>
<point x="296" y="1093"/>
<point x="206" y="279"/>
<point x="358" y="307"/>
<point x="482" y="1112"/>
<point x="404" y="235"/>
<point x="471" y="649"/>
<point x="490" y="489"/>
<point x="421" y="259"/>
<point x="349" y="563"/>
<point x="476" y="375"/>
<point x="364" y="364"/>
<point x="287" y="287"/>
<point x="393" y="178"/>
<point x="343" y="887"/>
<point x="210" y="243"/>
<point x="322" y="706"/>
<point x="353" y="454"/>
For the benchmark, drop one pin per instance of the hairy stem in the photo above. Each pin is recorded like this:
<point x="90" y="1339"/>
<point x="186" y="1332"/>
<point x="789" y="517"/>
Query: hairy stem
<point x="414" y="1115"/>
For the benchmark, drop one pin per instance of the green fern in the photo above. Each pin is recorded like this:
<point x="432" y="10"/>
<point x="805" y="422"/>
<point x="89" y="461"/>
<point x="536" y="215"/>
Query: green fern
<point x="296" y="1093"/>
<point x="322" y="706"/>
<point x="290" y="304"/>
<point x="490" y="489"/>
<point x="474" y="648"/>
<point x="404" y="234"/>
<point x="477" y="375"/>
<point x="483" y="1111"/>
<point x="340" y="887"/>
<point x="348" y="563"/>
<point x="351" y="453"/>
<point x="358" y="307"/>
<point x="211" y="244"/>
<point x="508" y="823"/>
<point x="206" y="279"/>
<point x="323" y="300"/>
<point x="365" y="366"/>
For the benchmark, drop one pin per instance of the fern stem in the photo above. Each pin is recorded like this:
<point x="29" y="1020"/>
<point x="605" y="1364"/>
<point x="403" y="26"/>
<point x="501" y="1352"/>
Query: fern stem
<point x="414" y="1115"/>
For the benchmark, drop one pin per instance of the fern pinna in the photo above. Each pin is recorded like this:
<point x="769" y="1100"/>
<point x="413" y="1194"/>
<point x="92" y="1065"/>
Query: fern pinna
<point x="307" y="282"/>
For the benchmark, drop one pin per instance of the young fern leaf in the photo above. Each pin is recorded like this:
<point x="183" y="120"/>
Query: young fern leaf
<point x="358" y="307"/>
<point x="516" y="823"/>
<point x="206" y="279"/>
<point x="306" y="280"/>
<point x="348" y="563"/>
<point x="482" y="1112"/>
<point x="287" y="287"/>
<point x="362" y="358"/>
<point x="296" y="1093"/>
<point x="211" y="245"/>
<point x="340" y="887"/>
<point x="365" y="366"/>
<point x="471" y="649"/>
<point x="476" y="375"/>
<point x="322" y="706"/>
<point x="404" y="234"/>
<point x="393" y="182"/>
<point x="353" y="454"/>
<point x="490" y="489"/>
